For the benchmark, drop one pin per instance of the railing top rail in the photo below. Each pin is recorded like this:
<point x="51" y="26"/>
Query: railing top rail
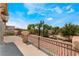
<point x="62" y="42"/>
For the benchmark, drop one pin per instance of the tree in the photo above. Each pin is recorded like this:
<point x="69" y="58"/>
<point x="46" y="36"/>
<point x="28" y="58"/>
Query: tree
<point x="31" y="28"/>
<point x="42" y="29"/>
<point x="55" y="31"/>
<point x="77" y="29"/>
<point x="38" y="28"/>
<point x="69" y="30"/>
<point x="46" y="29"/>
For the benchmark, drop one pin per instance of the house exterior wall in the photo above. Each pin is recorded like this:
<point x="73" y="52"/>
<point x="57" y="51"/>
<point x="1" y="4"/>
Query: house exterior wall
<point x="3" y="19"/>
<point x="10" y="30"/>
<point x="5" y="8"/>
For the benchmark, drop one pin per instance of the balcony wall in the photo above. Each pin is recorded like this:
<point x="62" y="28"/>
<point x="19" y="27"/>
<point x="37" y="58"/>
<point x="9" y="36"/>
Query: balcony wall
<point x="53" y="46"/>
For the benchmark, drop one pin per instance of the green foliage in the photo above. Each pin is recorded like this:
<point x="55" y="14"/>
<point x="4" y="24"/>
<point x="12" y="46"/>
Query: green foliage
<point x="43" y="29"/>
<point x="46" y="28"/>
<point x="45" y="34"/>
<point x="39" y="28"/>
<point x="77" y="30"/>
<point x="68" y="31"/>
<point x="10" y="33"/>
<point x="55" y="30"/>
<point x="31" y="28"/>
<point x="21" y="29"/>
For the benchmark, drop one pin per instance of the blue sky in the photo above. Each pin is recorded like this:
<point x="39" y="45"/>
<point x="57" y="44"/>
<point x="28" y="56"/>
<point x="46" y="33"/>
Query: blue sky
<point x="55" y="14"/>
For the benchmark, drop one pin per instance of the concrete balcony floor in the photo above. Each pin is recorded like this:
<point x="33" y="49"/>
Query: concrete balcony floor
<point x="21" y="48"/>
<point x="9" y="49"/>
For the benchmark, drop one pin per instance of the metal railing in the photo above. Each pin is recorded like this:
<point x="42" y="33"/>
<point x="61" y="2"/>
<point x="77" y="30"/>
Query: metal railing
<point x="52" y="46"/>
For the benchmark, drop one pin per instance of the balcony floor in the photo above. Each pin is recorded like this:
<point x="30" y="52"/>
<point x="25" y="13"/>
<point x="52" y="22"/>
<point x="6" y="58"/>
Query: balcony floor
<point x="9" y="49"/>
<point x="26" y="50"/>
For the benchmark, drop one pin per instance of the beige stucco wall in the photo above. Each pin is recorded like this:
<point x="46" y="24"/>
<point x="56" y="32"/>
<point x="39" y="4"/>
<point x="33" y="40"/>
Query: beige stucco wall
<point x="75" y="42"/>
<point x="3" y="19"/>
<point x="3" y="12"/>
<point x="5" y="8"/>
<point x="1" y="31"/>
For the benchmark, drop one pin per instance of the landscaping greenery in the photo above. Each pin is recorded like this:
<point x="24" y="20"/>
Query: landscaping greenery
<point x="39" y="29"/>
<point x="45" y="30"/>
<point x="69" y="30"/>
<point x="55" y="31"/>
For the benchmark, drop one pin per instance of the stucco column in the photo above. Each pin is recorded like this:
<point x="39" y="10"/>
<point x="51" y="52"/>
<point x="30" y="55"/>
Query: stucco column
<point x="1" y="31"/>
<point x="3" y="20"/>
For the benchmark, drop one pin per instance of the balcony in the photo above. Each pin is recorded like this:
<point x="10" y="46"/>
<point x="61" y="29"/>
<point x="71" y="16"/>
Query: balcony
<point x="14" y="46"/>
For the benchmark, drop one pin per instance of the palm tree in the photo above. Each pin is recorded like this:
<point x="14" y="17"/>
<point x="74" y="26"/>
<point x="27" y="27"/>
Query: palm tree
<point x="68" y="31"/>
<point x="42" y="29"/>
<point x="39" y="26"/>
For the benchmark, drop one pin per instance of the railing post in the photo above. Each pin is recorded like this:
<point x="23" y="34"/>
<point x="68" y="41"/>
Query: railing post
<point x="71" y="50"/>
<point x="38" y="42"/>
<point x="64" y="49"/>
<point x="67" y="50"/>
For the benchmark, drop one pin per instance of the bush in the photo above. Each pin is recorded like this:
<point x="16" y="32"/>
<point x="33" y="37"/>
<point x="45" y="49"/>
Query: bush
<point x="46" y="33"/>
<point x="10" y="33"/>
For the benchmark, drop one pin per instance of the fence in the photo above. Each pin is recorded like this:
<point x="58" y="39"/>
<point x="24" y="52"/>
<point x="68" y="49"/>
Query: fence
<point x="52" y="46"/>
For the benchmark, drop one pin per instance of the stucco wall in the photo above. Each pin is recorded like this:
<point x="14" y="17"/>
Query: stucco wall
<point x="1" y="31"/>
<point x="5" y="8"/>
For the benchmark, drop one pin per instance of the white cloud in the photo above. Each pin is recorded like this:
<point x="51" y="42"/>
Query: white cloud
<point x="41" y="9"/>
<point x="33" y="7"/>
<point x="30" y="7"/>
<point x="49" y="19"/>
<point x="36" y="8"/>
<point x="71" y="10"/>
<point x="68" y="7"/>
<point x="17" y="20"/>
<point x="58" y="10"/>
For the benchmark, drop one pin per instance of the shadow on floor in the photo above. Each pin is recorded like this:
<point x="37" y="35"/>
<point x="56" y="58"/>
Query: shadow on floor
<point x="9" y="49"/>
